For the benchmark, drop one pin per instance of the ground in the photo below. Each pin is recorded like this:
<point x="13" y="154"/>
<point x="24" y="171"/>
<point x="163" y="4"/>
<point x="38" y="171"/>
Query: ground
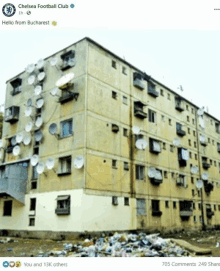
<point x="33" y="247"/>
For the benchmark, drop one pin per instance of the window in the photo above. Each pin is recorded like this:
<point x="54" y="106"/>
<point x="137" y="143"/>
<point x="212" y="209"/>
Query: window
<point x="140" y="172"/>
<point x="171" y="148"/>
<point x="33" y="204"/>
<point x="126" y="167"/>
<point x="194" y="133"/>
<point x="194" y="219"/>
<point x="162" y="117"/>
<point x="7" y="209"/>
<point x="68" y="60"/>
<point x="192" y="111"/>
<point x="65" y="165"/>
<point x="173" y="175"/>
<point x="154" y="146"/>
<point x="63" y="205"/>
<point x="114" y="95"/>
<point x="36" y="150"/>
<point x="193" y="121"/>
<point x="193" y="192"/>
<point x="124" y="70"/>
<point x="114" y="64"/>
<point x="164" y="146"/>
<point x="16" y="84"/>
<point x="217" y="128"/>
<point x="34" y="173"/>
<point x="194" y="144"/>
<point x="12" y="114"/>
<point x="167" y="204"/>
<point x="66" y="128"/>
<point x="209" y="140"/>
<point x="31" y="221"/>
<point x="126" y="201"/>
<point x="152" y="116"/>
<point x="168" y="96"/>
<point x="114" y="163"/>
<point x="155" y="205"/>
<point x="189" y="131"/>
<point x="170" y="122"/>
<point x="195" y="156"/>
<point x="174" y="204"/>
<point x="141" y="207"/>
<point x="219" y="207"/>
<point x="125" y="132"/>
<point x="161" y="92"/>
<point x="190" y="154"/>
<point x="213" y="142"/>
<point x="194" y="206"/>
<point x="189" y="142"/>
<point x="211" y="122"/>
<point x="114" y="200"/>
<point x="214" y="207"/>
<point x="187" y="107"/>
<point x="192" y="180"/>
<point x="33" y="185"/>
<point x="187" y="118"/>
<point x="125" y="100"/>
<point x="165" y="174"/>
<point x="210" y="162"/>
<point x="215" y="163"/>
<point x="198" y="193"/>
<point x="199" y="205"/>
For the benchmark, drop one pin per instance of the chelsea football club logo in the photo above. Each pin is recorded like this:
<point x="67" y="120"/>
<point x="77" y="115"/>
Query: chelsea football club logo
<point x="8" y="10"/>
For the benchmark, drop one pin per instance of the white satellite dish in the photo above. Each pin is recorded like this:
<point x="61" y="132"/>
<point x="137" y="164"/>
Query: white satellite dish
<point x="38" y="136"/>
<point x="40" y="103"/>
<point x="29" y="127"/>
<point x="31" y="79"/>
<point x="71" y="62"/>
<point x="28" y="111"/>
<point x="152" y="172"/>
<point x="141" y="144"/>
<point x="13" y="141"/>
<point x="40" y="168"/>
<point x="64" y="80"/>
<point x="53" y="61"/>
<point x="27" y="140"/>
<point x="79" y="162"/>
<point x="50" y="163"/>
<point x="39" y="122"/>
<point x="40" y="63"/>
<point x="19" y="138"/>
<point x="205" y="176"/>
<point x="29" y="102"/>
<point x="16" y="150"/>
<point x="37" y="90"/>
<point x="34" y="160"/>
<point x="41" y="76"/>
<point x="53" y="129"/>
<point x="176" y="142"/>
<point x="199" y="184"/>
<point x="194" y="169"/>
<point x="136" y="130"/>
<point x="30" y="68"/>
<point x="54" y="91"/>
<point x="200" y="111"/>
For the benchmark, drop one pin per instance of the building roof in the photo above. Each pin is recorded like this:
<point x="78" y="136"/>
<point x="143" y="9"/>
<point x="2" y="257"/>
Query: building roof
<point x="127" y="63"/>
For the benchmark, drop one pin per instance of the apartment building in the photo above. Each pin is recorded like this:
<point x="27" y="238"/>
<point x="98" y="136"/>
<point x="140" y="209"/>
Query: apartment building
<point x="97" y="118"/>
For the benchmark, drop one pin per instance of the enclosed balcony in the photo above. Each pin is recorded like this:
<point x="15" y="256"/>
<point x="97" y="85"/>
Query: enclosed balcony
<point x="12" y="114"/>
<point x="138" y="81"/>
<point x="138" y="110"/>
<point x="186" y="209"/>
<point x="151" y="89"/>
<point x="179" y="104"/>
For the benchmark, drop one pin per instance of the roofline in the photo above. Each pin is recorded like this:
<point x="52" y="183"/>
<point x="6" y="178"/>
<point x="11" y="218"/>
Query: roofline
<point x="125" y="62"/>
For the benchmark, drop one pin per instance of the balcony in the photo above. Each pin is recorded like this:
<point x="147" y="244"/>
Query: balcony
<point x="12" y="114"/>
<point x="209" y="213"/>
<point x="180" y="132"/>
<point x="138" y="83"/>
<point x="186" y="213"/>
<point x="62" y="211"/>
<point x="152" y="92"/>
<point x="205" y="165"/>
<point x="179" y="104"/>
<point x="140" y="114"/>
<point x="156" y="213"/>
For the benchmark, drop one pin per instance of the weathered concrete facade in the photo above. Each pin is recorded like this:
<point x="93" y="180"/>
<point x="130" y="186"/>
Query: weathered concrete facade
<point x="113" y="191"/>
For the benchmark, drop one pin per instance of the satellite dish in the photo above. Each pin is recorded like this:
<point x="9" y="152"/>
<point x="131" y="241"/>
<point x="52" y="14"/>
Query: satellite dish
<point x="13" y="141"/>
<point x="19" y="138"/>
<point x="38" y="136"/>
<point x="205" y="176"/>
<point x="29" y="102"/>
<point x="39" y="122"/>
<point x="27" y="140"/>
<point x="1" y="143"/>
<point x="40" y="63"/>
<point x="200" y="111"/>
<point x="40" y="168"/>
<point x="136" y="130"/>
<point x="194" y="169"/>
<point x="31" y="79"/>
<point x="50" y="163"/>
<point x="64" y="80"/>
<point x="141" y="144"/>
<point x="37" y="90"/>
<point x="199" y="184"/>
<point x="152" y="172"/>
<point x="28" y="111"/>
<point x="29" y="127"/>
<point x="34" y="160"/>
<point x="41" y="76"/>
<point x="54" y="91"/>
<point x="40" y="103"/>
<point x="79" y="162"/>
<point x="176" y="142"/>
<point x="30" y="68"/>
<point x="202" y="138"/>
<point x="16" y="150"/>
<point x="53" y="129"/>
<point x="71" y="62"/>
<point x="53" y="61"/>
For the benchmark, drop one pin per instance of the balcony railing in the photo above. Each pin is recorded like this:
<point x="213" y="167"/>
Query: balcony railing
<point x="62" y="211"/>
<point x="153" y="92"/>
